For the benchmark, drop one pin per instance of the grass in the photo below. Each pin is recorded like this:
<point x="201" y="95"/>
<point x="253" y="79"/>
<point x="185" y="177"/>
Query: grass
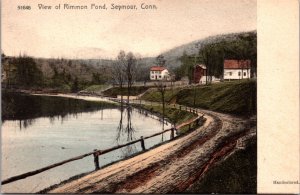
<point x="115" y="91"/>
<point x="94" y="88"/>
<point x="235" y="97"/>
<point x="155" y="96"/>
<point x="64" y="88"/>
<point x="235" y="175"/>
<point x="174" y="115"/>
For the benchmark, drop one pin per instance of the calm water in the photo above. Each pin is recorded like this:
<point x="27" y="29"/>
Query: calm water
<point x="31" y="141"/>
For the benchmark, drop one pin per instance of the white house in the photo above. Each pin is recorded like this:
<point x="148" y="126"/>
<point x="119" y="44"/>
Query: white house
<point x="159" y="73"/>
<point x="237" y="69"/>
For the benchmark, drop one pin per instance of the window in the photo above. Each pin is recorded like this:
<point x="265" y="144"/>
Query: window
<point x="230" y="73"/>
<point x="159" y="77"/>
<point x="245" y="73"/>
<point x="239" y="73"/>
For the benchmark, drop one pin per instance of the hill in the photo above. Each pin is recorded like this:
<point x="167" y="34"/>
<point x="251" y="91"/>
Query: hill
<point x="235" y="97"/>
<point x="77" y="74"/>
<point x="172" y="56"/>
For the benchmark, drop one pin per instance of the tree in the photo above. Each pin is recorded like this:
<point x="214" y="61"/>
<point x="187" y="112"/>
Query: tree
<point x="130" y="73"/>
<point x="75" y="86"/>
<point x="186" y="68"/>
<point x="2" y="54"/>
<point x="124" y="70"/>
<point x="143" y="72"/>
<point x="205" y="54"/>
<point x="118" y="72"/>
<point x="161" y="88"/>
<point x="212" y="55"/>
<point x="160" y="60"/>
<point x="27" y="72"/>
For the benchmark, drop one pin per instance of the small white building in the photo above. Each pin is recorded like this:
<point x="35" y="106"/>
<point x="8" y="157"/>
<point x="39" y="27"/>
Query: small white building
<point x="159" y="73"/>
<point x="210" y="79"/>
<point x="237" y="69"/>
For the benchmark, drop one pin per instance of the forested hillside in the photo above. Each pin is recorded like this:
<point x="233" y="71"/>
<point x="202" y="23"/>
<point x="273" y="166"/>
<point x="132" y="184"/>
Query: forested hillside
<point x="76" y="74"/>
<point x="241" y="47"/>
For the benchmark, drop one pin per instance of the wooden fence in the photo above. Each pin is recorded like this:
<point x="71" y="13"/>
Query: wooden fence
<point x="96" y="153"/>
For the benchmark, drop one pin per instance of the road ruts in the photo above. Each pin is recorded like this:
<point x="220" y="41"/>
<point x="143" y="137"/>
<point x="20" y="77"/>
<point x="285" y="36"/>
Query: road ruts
<point x="170" y="168"/>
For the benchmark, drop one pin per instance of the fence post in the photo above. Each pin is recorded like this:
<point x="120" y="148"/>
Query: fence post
<point x="143" y="143"/>
<point x="189" y="126"/>
<point x="96" y="160"/>
<point x="172" y="133"/>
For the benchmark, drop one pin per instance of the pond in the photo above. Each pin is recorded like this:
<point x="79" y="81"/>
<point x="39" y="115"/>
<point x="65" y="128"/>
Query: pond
<point x="38" y="131"/>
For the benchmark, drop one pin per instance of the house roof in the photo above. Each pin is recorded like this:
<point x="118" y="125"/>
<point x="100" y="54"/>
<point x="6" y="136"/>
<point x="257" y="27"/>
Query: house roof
<point x="236" y="64"/>
<point x="201" y="65"/>
<point x="157" y="68"/>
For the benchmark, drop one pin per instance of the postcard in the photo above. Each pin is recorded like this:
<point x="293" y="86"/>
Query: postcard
<point x="156" y="96"/>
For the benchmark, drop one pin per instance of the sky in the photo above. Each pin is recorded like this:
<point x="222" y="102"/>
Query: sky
<point x="91" y="33"/>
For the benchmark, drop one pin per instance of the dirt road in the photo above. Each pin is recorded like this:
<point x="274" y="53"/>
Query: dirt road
<point x="172" y="167"/>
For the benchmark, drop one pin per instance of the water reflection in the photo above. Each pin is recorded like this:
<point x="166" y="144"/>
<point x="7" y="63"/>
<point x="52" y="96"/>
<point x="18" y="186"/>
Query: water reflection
<point x="125" y="132"/>
<point x="27" y="108"/>
<point x="80" y="133"/>
<point x="129" y="130"/>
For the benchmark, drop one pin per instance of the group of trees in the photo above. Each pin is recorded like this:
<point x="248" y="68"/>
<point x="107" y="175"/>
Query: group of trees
<point x="73" y="75"/>
<point x="124" y="71"/>
<point x="62" y="74"/>
<point x="22" y="71"/>
<point x="124" y="74"/>
<point x="243" y="47"/>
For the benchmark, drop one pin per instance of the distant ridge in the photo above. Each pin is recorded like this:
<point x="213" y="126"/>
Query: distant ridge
<point x="86" y="69"/>
<point x="172" y="55"/>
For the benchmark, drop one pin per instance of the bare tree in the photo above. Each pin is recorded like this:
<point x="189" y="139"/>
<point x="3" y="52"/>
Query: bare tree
<point x="161" y="85"/>
<point x="118" y="72"/>
<point x="161" y="88"/>
<point x="206" y="54"/>
<point x="130" y="72"/>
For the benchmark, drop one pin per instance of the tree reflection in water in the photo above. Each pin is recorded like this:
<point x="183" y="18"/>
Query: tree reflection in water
<point x="125" y="132"/>
<point x="26" y="108"/>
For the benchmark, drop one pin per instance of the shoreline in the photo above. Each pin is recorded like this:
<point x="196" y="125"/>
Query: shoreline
<point x="217" y="131"/>
<point x="86" y="96"/>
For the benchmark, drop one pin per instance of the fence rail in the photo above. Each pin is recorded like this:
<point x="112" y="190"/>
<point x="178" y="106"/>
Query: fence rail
<point x="96" y="153"/>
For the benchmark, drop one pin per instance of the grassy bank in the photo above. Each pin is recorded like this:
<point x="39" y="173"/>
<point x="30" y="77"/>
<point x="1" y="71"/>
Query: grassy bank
<point x="236" y="175"/>
<point x="155" y="96"/>
<point x="235" y="97"/>
<point x="172" y="114"/>
<point x="95" y="88"/>
<point x="115" y="91"/>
